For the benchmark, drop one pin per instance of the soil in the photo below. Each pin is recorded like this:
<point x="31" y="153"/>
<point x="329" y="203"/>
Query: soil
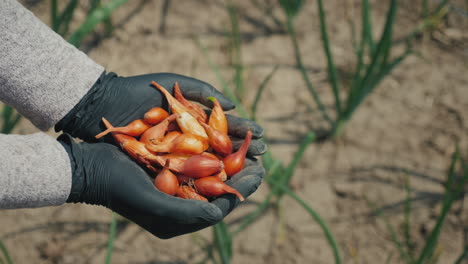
<point x="406" y="130"/>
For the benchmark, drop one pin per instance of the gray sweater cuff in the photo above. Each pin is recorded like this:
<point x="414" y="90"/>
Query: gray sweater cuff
<point x="35" y="171"/>
<point x="41" y="75"/>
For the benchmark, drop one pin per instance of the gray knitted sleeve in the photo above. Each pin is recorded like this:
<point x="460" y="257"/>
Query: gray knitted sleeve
<point x="41" y="75"/>
<point x="35" y="171"/>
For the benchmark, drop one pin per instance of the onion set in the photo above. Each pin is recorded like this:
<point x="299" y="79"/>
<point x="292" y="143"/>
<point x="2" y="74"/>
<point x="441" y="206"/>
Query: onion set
<point x="188" y="153"/>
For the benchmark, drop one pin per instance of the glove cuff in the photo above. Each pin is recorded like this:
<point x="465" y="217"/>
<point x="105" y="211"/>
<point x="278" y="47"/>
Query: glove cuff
<point x="78" y="175"/>
<point x="76" y="122"/>
<point x="87" y="186"/>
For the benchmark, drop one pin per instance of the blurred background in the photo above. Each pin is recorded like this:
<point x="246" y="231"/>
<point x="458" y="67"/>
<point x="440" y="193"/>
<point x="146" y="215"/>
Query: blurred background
<point x="364" y="105"/>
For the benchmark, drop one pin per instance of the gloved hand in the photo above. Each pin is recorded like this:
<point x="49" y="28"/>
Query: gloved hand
<point x="124" y="99"/>
<point x="104" y="175"/>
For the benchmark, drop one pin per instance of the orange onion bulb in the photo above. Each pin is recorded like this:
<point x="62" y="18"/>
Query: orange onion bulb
<point x="234" y="162"/>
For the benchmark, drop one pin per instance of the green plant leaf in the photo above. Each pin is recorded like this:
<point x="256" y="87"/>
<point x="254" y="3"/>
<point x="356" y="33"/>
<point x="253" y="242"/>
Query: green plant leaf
<point x="93" y="4"/>
<point x="107" y="22"/>
<point x="10" y="119"/>
<point x="7" y="112"/>
<point x="310" y="87"/>
<point x="305" y="142"/>
<point x="110" y="242"/>
<point x="330" y="239"/>
<point x="385" y="71"/>
<point x="252" y="216"/>
<point x="367" y="84"/>
<point x="53" y="15"/>
<point x="226" y="88"/>
<point x="450" y="196"/>
<point x="424" y="8"/>
<point x="223" y="242"/>
<point x="236" y="51"/>
<point x="5" y="253"/>
<point x="94" y="18"/>
<point x="463" y="256"/>
<point x="260" y="90"/>
<point x="407" y="224"/>
<point x="66" y="17"/>
<point x="291" y="7"/>
<point x="332" y="71"/>
<point x="267" y="158"/>
<point x="367" y="26"/>
<point x="442" y="5"/>
<point x="389" y="258"/>
<point x="274" y="171"/>
<point x="366" y="41"/>
<point x="302" y="147"/>
<point x="396" y="241"/>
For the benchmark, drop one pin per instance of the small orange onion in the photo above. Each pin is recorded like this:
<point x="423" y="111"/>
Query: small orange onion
<point x="156" y="133"/>
<point x="177" y="161"/>
<point x="155" y="115"/>
<point x="176" y="106"/>
<point x="134" y="129"/>
<point x="219" y="141"/>
<point x="187" y="123"/>
<point x="187" y="192"/>
<point x="133" y="147"/>
<point x="166" y="181"/>
<point x="234" y="162"/>
<point x="170" y="137"/>
<point x="217" y="118"/>
<point x="199" y="166"/>
<point x="189" y="144"/>
<point x="194" y="109"/>
<point x="213" y="186"/>
<point x="184" y="144"/>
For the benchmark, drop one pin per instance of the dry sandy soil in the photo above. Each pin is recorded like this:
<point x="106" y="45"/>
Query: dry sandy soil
<point x="407" y="128"/>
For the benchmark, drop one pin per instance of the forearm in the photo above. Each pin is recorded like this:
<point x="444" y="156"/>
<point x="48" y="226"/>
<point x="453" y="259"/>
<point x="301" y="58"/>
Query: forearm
<point x="41" y="75"/>
<point x="35" y="171"/>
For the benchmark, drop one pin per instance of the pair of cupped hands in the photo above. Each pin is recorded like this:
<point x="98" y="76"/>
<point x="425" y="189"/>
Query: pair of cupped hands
<point x="102" y="174"/>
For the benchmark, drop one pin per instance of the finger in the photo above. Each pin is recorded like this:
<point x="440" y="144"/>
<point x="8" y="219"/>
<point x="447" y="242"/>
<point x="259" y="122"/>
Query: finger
<point x="246" y="182"/>
<point x="239" y="126"/>
<point x="256" y="147"/>
<point x="250" y="161"/>
<point x="193" y="89"/>
<point x="173" y="216"/>
<point x="187" y="211"/>
<point x="176" y="230"/>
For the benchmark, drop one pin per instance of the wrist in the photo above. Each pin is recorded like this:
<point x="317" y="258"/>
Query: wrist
<point x="78" y="177"/>
<point x="90" y="181"/>
<point x="87" y="112"/>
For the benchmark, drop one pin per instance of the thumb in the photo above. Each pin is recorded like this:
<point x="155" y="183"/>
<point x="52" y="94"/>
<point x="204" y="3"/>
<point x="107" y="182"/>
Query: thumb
<point x="168" y="216"/>
<point x="188" y="211"/>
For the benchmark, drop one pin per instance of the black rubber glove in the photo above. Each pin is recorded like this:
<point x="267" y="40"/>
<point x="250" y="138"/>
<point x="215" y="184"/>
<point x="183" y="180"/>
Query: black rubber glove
<point x="124" y="99"/>
<point x="103" y="175"/>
